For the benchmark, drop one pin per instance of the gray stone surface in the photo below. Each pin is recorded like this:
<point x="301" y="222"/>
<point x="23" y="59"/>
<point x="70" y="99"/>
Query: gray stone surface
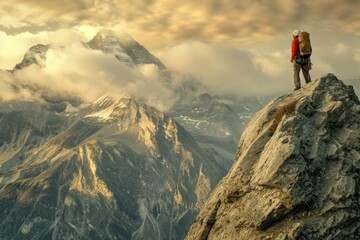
<point x="296" y="174"/>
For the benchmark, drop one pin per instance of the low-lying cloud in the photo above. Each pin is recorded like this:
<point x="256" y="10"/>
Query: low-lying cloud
<point x="225" y="69"/>
<point x="89" y="74"/>
<point x="13" y="47"/>
<point x="245" y="72"/>
<point x="8" y="90"/>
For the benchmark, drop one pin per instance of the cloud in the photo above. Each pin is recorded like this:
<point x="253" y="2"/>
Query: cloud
<point x="245" y="72"/>
<point x="216" y="65"/>
<point x="338" y="58"/>
<point x="13" y="47"/>
<point x="224" y="69"/>
<point x="342" y="58"/>
<point x="260" y="27"/>
<point x="89" y="74"/>
<point x="172" y="20"/>
<point x="9" y="91"/>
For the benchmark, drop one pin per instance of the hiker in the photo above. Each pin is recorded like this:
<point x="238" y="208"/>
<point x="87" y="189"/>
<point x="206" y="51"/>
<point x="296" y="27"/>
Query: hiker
<point x="300" y="60"/>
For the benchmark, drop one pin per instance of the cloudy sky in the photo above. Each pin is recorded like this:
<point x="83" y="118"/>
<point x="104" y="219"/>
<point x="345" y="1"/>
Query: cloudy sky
<point x="241" y="42"/>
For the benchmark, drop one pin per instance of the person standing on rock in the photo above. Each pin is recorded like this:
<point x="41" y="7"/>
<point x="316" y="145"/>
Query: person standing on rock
<point x="300" y="60"/>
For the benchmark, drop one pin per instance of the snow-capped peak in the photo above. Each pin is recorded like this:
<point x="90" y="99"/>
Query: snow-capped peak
<point x="119" y="35"/>
<point x="109" y="42"/>
<point x="124" y="47"/>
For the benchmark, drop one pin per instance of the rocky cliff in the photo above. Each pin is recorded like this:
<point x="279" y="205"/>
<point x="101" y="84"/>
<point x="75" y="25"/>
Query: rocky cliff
<point x="297" y="171"/>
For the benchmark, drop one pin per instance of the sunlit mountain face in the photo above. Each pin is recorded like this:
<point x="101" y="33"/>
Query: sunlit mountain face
<point x="114" y="169"/>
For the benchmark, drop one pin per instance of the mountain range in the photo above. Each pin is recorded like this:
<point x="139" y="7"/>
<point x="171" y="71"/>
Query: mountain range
<point x="114" y="168"/>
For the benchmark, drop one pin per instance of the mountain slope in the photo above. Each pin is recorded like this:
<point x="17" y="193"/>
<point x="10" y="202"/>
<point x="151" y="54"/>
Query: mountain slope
<point x="215" y="121"/>
<point x="296" y="174"/>
<point x="122" y="43"/>
<point x="111" y="170"/>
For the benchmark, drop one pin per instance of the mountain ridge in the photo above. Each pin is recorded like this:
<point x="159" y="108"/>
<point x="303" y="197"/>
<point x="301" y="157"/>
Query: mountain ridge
<point x="121" y="42"/>
<point x="55" y="167"/>
<point x="296" y="173"/>
<point x="215" y="121"/>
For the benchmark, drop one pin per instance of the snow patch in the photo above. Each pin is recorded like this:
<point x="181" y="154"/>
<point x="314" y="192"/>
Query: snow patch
<point x="104" y="114"/>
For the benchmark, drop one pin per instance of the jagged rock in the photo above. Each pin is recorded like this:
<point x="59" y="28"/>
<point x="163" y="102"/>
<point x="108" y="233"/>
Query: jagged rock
<point x="296" y="174"/>
<point x="35" y="55"/>
<point x="114" y="169"/>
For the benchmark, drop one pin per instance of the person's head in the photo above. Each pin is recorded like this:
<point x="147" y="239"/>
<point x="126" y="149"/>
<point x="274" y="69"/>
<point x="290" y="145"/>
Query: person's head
<point x="296" y="33"/>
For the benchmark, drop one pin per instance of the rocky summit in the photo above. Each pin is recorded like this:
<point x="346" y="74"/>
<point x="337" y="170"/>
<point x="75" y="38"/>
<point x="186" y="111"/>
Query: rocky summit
<point x="297" y="171"/>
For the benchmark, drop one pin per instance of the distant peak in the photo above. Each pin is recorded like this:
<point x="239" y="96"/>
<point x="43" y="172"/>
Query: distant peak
<point x="35" y="55"/>
<point x="119" y="35"/>
<point x="125" y="48"/>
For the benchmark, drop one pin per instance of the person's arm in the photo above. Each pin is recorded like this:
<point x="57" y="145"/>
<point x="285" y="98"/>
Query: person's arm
<point x="294" y="48"/>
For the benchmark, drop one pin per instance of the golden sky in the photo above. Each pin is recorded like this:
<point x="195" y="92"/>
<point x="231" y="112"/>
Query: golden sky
<point x="172" y="29"/>
<point x="170" y="21"/>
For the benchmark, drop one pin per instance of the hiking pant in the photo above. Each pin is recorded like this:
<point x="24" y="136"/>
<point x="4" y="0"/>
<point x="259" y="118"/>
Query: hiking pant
<point x="306" y="73"/>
